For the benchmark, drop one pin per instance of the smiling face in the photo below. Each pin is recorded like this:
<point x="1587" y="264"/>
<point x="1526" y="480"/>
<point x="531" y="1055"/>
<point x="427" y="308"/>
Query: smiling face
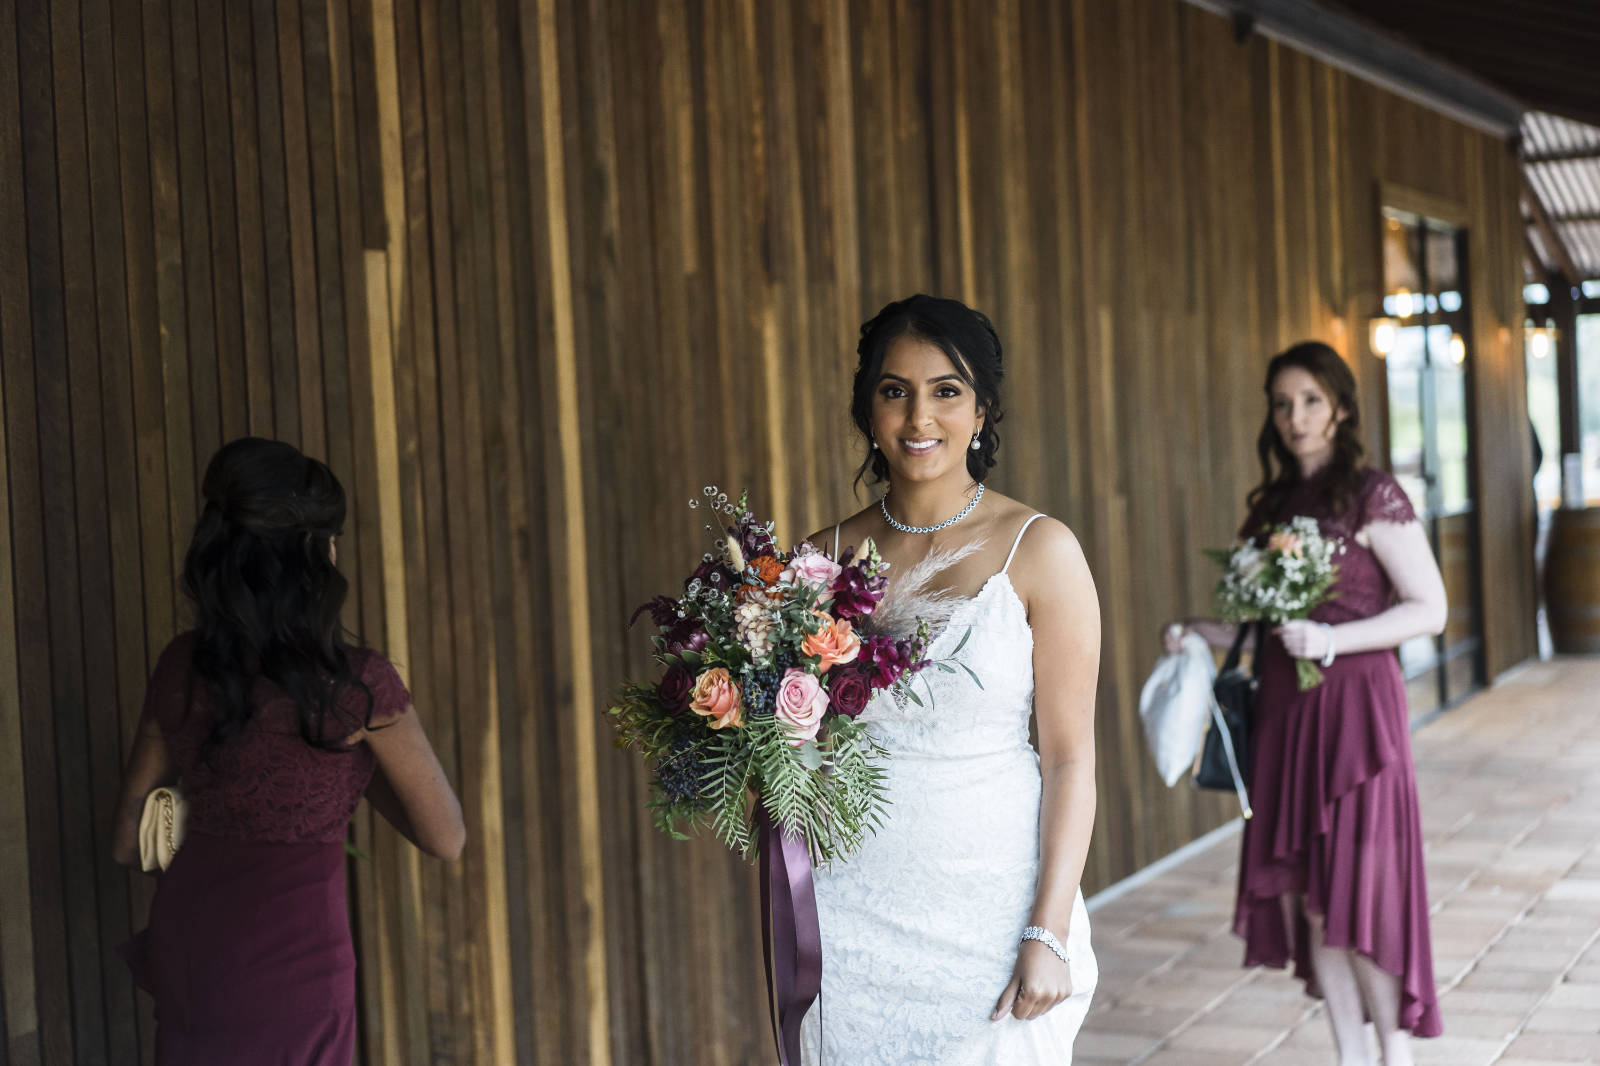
<point x="1305" y="417"/>
<point x="923" y="414"/>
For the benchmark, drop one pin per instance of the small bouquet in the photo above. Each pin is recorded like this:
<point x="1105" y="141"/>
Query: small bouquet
<point x="1285" y="580"/>
<point x="765" y="672"/>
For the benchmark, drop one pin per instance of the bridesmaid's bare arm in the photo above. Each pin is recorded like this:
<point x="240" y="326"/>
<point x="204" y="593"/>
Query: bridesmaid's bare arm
<point x="1420" y="607"/>
<point x="409" y="788"/>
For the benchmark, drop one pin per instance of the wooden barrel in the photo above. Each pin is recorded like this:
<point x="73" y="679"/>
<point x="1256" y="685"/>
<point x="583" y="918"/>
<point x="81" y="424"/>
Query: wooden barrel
<point x="1572" y="580"/>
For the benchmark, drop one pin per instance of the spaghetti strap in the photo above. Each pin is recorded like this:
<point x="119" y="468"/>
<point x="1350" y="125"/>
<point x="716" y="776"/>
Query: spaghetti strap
<point x="1018" y="542"/>
<point x="836" y="542"/>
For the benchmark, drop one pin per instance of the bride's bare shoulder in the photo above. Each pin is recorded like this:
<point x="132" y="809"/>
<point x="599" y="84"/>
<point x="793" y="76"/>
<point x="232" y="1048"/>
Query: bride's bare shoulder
<point x="852" y="529"/>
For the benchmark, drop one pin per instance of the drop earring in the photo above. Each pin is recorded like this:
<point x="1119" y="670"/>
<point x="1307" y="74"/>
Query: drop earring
<point x="874" y="445"/>
<point x="976" y="443"/>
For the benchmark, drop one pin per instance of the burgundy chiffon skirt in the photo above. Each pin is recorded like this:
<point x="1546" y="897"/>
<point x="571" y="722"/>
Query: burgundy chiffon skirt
<point x="249" y="956"/>
<point x="1335" y="795"/>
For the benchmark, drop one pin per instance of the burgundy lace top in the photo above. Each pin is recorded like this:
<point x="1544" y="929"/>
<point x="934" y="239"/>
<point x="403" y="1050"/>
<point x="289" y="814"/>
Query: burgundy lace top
<point x="1362" y="588"/>
<point x="267" y="784"/>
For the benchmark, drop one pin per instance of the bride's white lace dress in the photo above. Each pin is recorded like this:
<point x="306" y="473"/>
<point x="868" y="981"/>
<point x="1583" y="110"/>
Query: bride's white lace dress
<point x="920" y="928"/>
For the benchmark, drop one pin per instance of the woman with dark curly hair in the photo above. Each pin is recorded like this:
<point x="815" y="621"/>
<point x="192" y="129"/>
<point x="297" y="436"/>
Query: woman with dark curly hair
<point x="274" y="728"/>
<point x="958" y="934"/>
<point x="1331" y="870"/>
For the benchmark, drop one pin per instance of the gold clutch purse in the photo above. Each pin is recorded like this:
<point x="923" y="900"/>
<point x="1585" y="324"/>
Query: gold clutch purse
<point x="161" y="828"/>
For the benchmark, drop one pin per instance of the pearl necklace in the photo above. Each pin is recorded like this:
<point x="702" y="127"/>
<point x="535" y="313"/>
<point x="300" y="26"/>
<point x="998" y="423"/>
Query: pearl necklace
<point x="883" y="505"/>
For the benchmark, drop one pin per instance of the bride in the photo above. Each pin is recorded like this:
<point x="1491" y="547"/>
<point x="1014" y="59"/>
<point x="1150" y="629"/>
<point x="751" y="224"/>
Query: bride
<point x="958" y="935"/>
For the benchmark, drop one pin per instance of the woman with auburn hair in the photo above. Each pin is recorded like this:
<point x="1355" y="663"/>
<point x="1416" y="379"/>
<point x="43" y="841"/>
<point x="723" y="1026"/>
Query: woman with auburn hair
<point x="275" y="728"/>
<point x="1331" y="871"/>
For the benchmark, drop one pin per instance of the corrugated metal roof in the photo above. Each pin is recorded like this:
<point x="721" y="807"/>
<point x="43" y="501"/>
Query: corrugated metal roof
<point x="1562" y="161"/>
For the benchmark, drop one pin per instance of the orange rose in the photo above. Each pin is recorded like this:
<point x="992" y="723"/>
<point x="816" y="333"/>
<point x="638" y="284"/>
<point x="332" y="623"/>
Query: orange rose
<point x="1285" y="542"/>
<point x="716" y="696"/>
<point x="834" y="643"/>
<point x="769" y="569"/>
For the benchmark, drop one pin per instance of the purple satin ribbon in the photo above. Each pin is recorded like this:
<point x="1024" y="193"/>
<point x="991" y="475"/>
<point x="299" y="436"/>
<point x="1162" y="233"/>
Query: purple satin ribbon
<point x="790" y="933"/>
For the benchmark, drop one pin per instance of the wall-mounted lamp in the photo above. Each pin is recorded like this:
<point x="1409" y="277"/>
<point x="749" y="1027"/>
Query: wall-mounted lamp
<point x="1381" y="334"/>
<point x="1458" y="349"/>
<point x="1539" y="343"/>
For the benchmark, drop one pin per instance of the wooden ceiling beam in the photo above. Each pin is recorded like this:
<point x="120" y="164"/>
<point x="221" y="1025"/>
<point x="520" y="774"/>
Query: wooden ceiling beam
<point x="1547" y="232"/>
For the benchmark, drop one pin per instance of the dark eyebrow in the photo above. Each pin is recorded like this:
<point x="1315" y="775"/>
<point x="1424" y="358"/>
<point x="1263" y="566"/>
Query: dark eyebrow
<point x="886" y="376"/>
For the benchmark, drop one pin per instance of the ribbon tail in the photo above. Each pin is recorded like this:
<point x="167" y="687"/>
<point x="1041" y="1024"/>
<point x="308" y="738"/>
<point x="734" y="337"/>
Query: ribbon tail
<point x="790" y="933"/>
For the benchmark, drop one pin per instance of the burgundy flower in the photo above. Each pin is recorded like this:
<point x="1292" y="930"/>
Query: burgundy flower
<point x="855" y="595"/>
<point x="848" y="691"/>
<point x="686" y="636"/>
<point x="884" y="659"/>
<point x="753" y="538"/>
<point x="663" y="611"/>
<point x="675" y="688"/>
<point x="715" y="573"/>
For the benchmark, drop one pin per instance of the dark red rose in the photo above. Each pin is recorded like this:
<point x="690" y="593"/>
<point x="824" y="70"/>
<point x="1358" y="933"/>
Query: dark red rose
<point x="848" y="691"/>
<point x="675" y="688"/>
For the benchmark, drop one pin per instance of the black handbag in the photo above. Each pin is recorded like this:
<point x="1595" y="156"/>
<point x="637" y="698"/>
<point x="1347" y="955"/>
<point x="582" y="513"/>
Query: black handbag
<point x="1226" y="754"/>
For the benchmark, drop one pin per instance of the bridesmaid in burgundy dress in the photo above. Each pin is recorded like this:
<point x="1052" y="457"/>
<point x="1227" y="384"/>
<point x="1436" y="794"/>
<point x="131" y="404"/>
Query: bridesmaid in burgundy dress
<point x="274" y="728"/>
<point x="1331" y="870"/>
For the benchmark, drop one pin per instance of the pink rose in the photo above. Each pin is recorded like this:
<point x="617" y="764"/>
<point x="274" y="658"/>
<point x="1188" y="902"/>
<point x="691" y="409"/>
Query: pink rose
<point x="801" y="703"/>
<point x="716" y="696"/>
<point x="814" y="569"/>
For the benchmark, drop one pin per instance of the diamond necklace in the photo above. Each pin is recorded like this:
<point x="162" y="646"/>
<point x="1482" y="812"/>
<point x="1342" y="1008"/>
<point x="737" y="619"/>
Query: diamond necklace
<point x="883" y="505"/>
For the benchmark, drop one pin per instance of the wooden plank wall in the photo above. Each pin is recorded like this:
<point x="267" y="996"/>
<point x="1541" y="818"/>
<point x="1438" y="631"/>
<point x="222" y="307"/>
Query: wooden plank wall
<point x="528" y="273"/>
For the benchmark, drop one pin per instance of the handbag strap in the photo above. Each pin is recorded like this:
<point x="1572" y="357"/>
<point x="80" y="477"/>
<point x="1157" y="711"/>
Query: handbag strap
<point x="1234" y="653"/>
<point x="1232" y="661"/>
<point x="1257" y="656"/>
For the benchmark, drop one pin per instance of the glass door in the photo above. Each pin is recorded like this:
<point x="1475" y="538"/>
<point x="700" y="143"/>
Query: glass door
<point x="1430" y="440"/>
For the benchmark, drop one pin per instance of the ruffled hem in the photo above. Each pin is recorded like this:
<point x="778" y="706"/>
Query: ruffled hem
<point x="1337" y="820"/>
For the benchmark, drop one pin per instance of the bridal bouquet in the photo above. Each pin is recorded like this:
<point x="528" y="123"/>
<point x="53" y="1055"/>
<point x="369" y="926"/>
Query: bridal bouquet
<point x="764" y="670"/>
<point x="1288" y="578"/>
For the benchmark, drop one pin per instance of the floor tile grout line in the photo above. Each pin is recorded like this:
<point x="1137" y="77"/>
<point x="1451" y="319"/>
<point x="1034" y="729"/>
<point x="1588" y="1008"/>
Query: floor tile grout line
<point x="1522" y="914"/>
<point x="1161" y="1042"/>
<point x="1572" y="964"/>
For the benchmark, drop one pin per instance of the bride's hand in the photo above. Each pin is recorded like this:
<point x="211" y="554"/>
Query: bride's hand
<point x="1039" y="982"/>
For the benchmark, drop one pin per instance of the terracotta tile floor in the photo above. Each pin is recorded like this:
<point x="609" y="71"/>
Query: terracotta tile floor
<point x="1510" y="786"/>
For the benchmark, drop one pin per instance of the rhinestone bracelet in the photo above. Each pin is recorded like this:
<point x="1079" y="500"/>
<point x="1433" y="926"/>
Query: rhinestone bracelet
<point x="1045" y="937"/>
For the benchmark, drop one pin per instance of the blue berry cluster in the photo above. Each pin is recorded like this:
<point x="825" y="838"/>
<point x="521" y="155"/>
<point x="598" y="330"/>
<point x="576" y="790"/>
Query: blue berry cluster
<point x="681" y="770"/>
<point x="761" y="693"/>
